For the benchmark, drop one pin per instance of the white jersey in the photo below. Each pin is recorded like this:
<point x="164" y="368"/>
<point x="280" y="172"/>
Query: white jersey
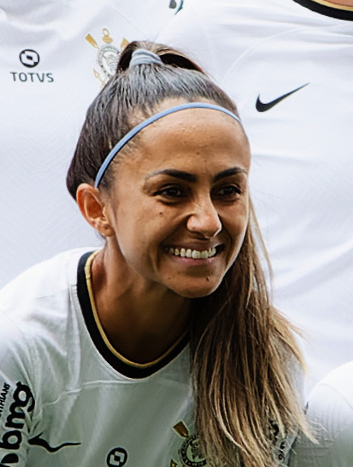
<point x="289" y="68"/>
<point x="330" y="412"/>
<point x="67" y="398"/>
<point x="55" y="56"/>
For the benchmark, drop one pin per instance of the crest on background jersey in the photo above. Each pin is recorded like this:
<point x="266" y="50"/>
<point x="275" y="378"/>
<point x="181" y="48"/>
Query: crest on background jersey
<point x="190" y="454"/>
<point x="107" y="55"/>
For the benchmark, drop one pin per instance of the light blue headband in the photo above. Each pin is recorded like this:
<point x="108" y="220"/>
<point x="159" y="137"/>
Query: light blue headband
<point x="144" y="57"/>
<point x="120" y="144"/>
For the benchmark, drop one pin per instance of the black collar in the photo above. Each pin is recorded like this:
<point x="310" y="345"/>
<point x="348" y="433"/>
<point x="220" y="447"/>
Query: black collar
<point x="327" y="10"/>
<point x="118" y="364"/>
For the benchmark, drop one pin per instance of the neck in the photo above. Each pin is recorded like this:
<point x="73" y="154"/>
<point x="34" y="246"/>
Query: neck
<point x="141" y="322"/>
<point x="336" y="3"/>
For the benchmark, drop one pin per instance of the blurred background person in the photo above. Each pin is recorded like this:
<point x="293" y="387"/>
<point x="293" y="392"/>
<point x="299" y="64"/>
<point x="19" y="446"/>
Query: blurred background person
<point x="55" y="57"/>
<point x="288" y="65"/>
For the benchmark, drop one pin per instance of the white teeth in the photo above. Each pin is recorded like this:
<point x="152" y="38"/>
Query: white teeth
<point x="194" y="254"/>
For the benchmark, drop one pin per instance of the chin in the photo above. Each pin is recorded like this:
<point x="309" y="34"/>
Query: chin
<point x="197" y="291"/>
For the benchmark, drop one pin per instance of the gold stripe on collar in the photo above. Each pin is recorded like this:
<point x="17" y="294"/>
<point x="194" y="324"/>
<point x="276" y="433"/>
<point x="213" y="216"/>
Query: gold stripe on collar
<point x="334" y="5"/>
<point x="103" y="334"/>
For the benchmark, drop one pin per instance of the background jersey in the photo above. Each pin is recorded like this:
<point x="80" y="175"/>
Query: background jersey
<point x="68" y="399"/>
<point x="289" y="69"/>
<point x="330" y="412"/>
<point x="55" y="56"/>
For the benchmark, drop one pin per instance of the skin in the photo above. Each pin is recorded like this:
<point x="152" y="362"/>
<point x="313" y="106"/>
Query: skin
<point x="184" y="185"/>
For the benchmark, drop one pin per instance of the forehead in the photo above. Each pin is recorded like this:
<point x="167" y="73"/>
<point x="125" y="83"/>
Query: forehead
<point x="190" y="137"/>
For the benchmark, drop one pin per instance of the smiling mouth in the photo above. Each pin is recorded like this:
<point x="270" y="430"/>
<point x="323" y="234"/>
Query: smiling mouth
<point x="193" y="254"/>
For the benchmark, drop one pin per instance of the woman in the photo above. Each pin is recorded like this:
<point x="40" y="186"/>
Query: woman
<point x="162" y="348"/>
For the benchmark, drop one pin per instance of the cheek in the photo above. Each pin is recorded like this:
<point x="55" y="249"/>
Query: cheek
<point x="139" y="234"/>
<point x="236" y="221"/>
<point x="236" y="226"/>
<point x="158" y="222"/>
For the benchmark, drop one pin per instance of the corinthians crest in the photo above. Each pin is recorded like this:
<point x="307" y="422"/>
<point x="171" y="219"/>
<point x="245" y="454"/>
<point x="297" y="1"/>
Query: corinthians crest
<point x="190" y="454"/>
<point x="107" y="56"/>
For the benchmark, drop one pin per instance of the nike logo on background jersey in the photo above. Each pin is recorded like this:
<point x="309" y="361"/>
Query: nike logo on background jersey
<point x="263" y="107"/>
<point x="38" y="441"/>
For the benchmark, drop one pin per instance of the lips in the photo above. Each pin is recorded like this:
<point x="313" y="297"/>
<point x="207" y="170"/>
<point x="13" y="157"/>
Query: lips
<point x="191" y="253"/>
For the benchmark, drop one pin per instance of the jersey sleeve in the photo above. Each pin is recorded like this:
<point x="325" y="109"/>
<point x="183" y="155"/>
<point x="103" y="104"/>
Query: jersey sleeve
<point x="17" y="401"/>
<point x="330" y="414"/>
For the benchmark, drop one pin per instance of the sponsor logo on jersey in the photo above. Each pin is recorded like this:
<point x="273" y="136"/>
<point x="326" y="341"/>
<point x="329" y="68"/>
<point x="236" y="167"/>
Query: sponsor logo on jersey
<point x="107" y="55"/>
<point x="39" y="441"/>
<point x="3" y="396"/>
<point x="116" y="458"/>
<point x="22" y="405"/>
<point x="190" y="454"/>
<point x="30" y="58"/>
<point x="264" y="106"/>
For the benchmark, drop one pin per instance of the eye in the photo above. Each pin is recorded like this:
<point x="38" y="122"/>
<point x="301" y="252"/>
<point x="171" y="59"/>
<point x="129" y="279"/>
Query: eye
<point x="171" y="192"/>
<point x="227" y="192"/>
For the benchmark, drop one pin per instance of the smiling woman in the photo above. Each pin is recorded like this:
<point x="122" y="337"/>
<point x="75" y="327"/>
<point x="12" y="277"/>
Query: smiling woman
<point x="189" y="178"/>
<point x="168" y="349"/>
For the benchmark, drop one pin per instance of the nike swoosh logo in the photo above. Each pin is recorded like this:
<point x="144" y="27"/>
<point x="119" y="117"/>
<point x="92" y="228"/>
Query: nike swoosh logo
<point x="38" y="441"/>
<point x="263" y="107"/>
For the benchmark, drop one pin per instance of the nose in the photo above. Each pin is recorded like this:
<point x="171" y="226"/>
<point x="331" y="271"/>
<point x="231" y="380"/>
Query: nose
<point x="204" y="219"/>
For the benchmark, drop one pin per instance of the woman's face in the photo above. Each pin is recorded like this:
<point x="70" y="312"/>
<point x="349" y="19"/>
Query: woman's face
<point x="179" y="206"/>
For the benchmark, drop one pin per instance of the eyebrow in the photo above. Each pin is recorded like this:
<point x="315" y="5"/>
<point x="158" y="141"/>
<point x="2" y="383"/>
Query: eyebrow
<point x="228" y="173"/>
<point x="186" y="176"/>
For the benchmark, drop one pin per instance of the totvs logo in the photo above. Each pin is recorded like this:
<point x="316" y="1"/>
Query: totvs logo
<point x="29" y="58"/>
<point x="23" y="402"/>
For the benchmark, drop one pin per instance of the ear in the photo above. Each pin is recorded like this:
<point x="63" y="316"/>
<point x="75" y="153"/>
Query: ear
<point x="93" y="209"/>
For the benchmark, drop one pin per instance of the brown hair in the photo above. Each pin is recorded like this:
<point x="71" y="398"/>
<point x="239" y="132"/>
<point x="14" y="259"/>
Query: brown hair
<point x="130" y="97"/>
<point x="245" y="362"/>
<point x="243" y="353"/>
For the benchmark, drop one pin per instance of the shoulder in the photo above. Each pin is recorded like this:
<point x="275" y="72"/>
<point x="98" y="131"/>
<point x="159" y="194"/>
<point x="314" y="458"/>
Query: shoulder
<point x="331" y="401"/>
<point x="330" y="414"/>
<point x="41" y="280"/>
<point x="218" y="34"/>
<point x="34" y="306"/>
<point x="39" y="320"/>
<point x="197" y="30"/>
